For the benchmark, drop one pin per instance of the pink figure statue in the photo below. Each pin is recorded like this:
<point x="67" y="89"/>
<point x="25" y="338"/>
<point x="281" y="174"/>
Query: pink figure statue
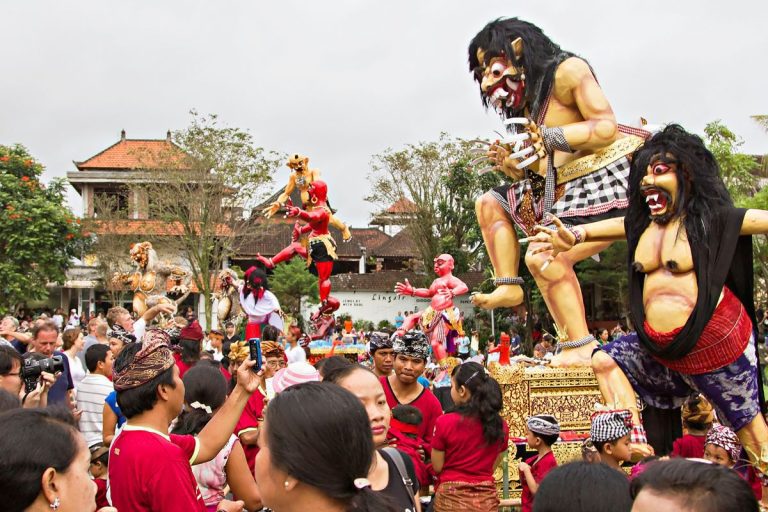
<point x="441" y="321"/>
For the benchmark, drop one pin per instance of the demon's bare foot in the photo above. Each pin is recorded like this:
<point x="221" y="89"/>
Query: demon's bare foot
<point x="267" y="262"/>
<point x="321" y="326"/>
<point x="581" y="356"/>
<point x="504" y="296"/>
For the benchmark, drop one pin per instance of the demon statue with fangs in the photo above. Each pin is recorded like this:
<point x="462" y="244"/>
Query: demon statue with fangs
<point x="320" y="254"/>
<point x="302" y="177"/>
<point x="690" y="289"/>
<point x="441" y="321"/>
<point x="565" y="156"/>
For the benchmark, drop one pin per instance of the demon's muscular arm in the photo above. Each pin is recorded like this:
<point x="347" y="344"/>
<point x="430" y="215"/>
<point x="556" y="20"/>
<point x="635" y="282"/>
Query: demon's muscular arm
<point x="755" y="223"/>
<point x="274" y="207"/>
<point x="576" y="85"/>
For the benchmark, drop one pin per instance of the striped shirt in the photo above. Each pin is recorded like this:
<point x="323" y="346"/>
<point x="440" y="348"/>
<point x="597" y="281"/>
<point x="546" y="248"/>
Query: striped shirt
<point x="91" y="392"/>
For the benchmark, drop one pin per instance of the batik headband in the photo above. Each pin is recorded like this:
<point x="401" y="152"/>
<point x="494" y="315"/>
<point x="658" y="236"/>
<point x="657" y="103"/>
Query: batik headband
<point x="543" y="424"/>
<point x="151" y="360"/>
<point x="272" y="349"/>
<point x="412" y="344"/>
<point x="119" y="332"/>
<point x="378" y="341"/>
<point x="725" y="438"/>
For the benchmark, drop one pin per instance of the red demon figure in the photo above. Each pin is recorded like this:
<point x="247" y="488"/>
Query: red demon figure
<point x="320" y="253"/>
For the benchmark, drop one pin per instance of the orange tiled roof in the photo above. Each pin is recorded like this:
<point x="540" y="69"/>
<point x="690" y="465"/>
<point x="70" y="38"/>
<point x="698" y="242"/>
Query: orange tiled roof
<point x="402" y="205"/>
<point x="131" y="154"/>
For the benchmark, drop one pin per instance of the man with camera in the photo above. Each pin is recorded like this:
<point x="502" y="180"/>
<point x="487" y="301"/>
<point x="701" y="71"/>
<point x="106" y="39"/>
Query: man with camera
<point x="12" y="379"/>
<point x="44" y="337"/>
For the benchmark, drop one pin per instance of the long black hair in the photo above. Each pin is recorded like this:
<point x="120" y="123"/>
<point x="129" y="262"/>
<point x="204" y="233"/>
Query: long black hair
<point x="583" y="487"/>
<point x="540" y="59"/>
<point x="205" y="386"/>
<point x="320" y="434"/>
<point x="31" y="441"/>
<point x="485" y="400"/>
<point x="700" y="193"/>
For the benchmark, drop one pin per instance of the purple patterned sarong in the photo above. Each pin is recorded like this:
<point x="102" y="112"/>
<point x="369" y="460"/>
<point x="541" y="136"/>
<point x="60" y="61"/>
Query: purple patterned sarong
<point x="732" y="389"/>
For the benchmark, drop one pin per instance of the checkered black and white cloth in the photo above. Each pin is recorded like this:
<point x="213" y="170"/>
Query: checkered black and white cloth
<point x="593" y="194"/>
<point x="610" y="425"/>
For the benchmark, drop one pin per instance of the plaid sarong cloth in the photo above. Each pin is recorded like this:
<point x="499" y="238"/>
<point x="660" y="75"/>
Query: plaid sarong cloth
<point x="466" y="496"/>
<point x="578" y="201"/>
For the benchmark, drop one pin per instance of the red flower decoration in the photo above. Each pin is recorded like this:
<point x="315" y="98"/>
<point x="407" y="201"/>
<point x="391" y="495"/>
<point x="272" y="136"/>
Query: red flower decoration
<point x="25" y="178"/>
<point x="4" y="158"/>
<point x="69" y="236"/>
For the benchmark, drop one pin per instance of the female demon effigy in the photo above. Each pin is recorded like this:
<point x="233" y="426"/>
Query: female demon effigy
<point x="690" y="286"/>
<point x="567" y="157"/>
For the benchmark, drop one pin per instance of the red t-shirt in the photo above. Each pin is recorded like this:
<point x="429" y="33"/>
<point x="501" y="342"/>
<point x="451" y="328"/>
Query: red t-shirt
<point x="250" y="420"/>
<point x="101" y="493"/>
<point x="468" y="458"/>
<point x="426" y="402"/>
<point x="689" y="447"/>
<point x="150" y="471"/>
<point x="539" y="470"/>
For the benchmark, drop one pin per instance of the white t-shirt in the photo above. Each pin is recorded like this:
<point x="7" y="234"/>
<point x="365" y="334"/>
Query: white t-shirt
<point x="296" y="355"/>
<point x="91" y="393"/>
<point x="76" y="370"/>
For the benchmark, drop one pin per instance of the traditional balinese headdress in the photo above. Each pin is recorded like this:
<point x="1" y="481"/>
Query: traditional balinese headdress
<point x="412" y="344"/>
<point x="151" y="360"/>
<point x="725" y="438"/>
<point x="609" y="426"/>
<point x="543" y="424"/>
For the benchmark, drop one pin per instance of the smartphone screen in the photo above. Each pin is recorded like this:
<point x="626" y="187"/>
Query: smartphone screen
<point x="254" y="350"/>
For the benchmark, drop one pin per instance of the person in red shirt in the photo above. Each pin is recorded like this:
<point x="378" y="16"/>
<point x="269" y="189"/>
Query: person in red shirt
<point x="469" y="443"/>
<point x="149" y="470"/>
<point x="541" y="433"/>
<point x="247" y="428"/>
<point x="698" y="416"/>
<point x="190" y="343"/>
<point x="411" y="352"/>
<point x="98" y="469"/>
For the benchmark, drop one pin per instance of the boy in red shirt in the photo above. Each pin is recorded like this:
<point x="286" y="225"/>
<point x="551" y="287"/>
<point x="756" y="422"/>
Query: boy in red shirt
<point x="698" y="416"/>
<point x="542" y="432"/>
<point x="149" y="470"/>
<point x="411" y="353"/>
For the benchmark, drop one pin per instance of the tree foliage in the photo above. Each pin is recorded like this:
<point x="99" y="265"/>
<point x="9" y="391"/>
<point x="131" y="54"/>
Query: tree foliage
<point x="203" y="188"/>
<point x="434" y="176"/>
<point x="290" y="282"/>
<point x="735" y="167"/>
<point x="39" y="236"/>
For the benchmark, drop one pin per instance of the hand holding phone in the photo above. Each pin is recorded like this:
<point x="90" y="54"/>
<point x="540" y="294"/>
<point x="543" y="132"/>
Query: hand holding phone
<point x="254" y="351"/>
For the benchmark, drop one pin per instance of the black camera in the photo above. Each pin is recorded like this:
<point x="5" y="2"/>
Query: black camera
<point x="32" y="369"/>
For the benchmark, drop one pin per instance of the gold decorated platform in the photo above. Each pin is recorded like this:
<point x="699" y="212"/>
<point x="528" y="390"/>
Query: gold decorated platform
<point x="569" y="394"/>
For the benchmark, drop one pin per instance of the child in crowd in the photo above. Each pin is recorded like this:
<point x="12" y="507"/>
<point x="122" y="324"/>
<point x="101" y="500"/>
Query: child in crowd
<point x="723" y="447"/>
<point x="610" y="433"/>
<point x="469" y="442"/>
<point x="99" y="470"/>
<point x="588" y="452"/>
<point x="541" y="433"/>
<point x="404" y="435"/>
<point x="698" y="416"/>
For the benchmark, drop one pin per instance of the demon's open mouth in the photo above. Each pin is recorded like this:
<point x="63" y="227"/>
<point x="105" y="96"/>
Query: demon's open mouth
<point x="507" y="93"/>
<point x="658" y="201"/>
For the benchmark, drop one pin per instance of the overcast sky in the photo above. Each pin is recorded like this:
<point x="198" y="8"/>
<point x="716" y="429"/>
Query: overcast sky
<point x="343" y="80"/>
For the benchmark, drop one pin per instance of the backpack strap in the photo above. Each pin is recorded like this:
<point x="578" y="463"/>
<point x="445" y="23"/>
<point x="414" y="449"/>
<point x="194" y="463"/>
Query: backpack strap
<point x="397" y="458"/>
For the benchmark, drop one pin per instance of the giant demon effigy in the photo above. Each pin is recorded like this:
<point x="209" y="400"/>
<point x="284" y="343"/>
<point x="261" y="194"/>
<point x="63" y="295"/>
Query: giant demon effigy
<point x="566" y="156"/>
<point x="690" y="286"/>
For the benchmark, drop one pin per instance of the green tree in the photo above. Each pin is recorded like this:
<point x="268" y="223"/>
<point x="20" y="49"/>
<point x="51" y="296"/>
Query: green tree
<point x="736" y="168"/>
<point x="434" y="176"/>
<point x="203" y="187"/>
<point x="39" y="236"/>
<point x="290" y="282"/>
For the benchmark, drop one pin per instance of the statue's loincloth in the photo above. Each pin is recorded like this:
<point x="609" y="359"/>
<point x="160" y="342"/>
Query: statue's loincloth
<point x="591" y="188"/>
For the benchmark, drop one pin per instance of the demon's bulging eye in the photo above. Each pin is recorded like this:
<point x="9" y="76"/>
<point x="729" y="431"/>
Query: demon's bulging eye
<point x="497" y="69"/>
<point x="660" y="168"/>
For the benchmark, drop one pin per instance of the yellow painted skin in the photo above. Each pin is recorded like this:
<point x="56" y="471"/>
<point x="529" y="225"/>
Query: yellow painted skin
<point x="579" y="107"/>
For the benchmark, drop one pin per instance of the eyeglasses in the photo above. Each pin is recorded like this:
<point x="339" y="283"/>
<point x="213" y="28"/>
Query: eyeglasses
<point x="276" y="364"/>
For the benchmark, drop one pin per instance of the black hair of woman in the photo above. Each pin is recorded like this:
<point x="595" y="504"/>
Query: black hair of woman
<point x="319" y="433"/>
<point x="583" y="487"/>
<point x="205" y="389"/>
<point x="485" y="400"/>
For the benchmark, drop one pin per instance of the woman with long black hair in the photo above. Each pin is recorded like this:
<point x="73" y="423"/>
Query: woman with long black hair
<point x="469" y="442"/>
<point x="315" y="450"/>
